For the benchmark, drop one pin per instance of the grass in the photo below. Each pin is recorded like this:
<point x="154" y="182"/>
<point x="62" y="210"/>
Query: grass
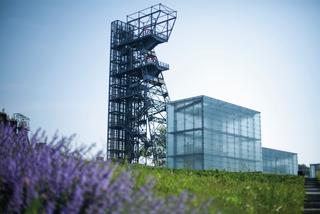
<point x="230" y="192"/>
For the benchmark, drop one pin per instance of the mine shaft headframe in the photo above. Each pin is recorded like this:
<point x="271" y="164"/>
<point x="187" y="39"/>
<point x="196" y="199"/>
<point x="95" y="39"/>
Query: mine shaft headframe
<point x="157" y="20"/>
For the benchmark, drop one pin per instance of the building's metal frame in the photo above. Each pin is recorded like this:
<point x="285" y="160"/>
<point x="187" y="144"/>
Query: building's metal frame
<point x="22" y="121"/>
<point x="18" y="122"/>
<point x="137" y="91"/>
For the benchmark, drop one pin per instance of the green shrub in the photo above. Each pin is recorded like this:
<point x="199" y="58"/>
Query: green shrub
<point x="318" y="175"/>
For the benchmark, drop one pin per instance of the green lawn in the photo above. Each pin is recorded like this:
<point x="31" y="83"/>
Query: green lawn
<point x="230" y="192"/>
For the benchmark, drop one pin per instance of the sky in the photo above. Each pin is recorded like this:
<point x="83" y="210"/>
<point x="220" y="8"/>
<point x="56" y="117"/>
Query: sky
<point x="260" y="54"/>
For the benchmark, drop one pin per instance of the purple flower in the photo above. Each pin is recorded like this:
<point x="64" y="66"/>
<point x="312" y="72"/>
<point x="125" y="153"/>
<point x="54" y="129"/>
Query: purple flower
<point x="55" y="179"/>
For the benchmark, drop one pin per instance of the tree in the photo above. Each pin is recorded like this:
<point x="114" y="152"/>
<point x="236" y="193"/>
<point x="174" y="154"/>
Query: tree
<point x="156" y="150"/>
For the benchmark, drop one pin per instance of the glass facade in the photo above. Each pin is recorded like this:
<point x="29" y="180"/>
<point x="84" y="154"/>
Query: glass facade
<point x="279" y="162"/>
<point x="314" y="168"/>
<point x="185" y="134"/>
<point x="206" y="133"/>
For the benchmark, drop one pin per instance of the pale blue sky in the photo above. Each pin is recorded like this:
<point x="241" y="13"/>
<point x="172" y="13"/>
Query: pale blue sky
<point x="261" y="54"/>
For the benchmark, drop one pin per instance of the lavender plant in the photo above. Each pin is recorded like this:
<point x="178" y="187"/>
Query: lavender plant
<point x="51" y="178"/>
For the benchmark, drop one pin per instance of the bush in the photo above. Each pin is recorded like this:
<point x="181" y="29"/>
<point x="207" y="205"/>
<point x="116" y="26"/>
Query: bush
<point x="52" y="178"/>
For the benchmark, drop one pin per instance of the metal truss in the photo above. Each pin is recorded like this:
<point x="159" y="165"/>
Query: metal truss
<point x="137" y="90"/>
<point x="22" y="121"/>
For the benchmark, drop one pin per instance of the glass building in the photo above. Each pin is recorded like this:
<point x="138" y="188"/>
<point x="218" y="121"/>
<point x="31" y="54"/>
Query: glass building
<point x="206" y="133"/>
<point x="279" y="162"/>
<point x="314" y="168"/>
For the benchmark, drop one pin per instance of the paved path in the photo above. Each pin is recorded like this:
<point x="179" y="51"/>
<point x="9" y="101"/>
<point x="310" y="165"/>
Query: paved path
<point x="312" y="199"/>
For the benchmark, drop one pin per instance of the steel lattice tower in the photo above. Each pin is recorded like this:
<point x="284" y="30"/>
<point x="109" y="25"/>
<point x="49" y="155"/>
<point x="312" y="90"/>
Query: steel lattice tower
<point x="137" y="91"/>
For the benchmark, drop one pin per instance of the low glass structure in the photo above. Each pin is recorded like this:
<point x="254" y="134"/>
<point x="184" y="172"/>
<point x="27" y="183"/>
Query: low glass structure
<point x="279" y="162"/>
<point x="206" y="133"/>
<point x="314" y="168"/>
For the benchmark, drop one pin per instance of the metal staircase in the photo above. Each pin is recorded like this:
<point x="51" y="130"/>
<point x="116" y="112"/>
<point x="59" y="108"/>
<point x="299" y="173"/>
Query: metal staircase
<point x="312" y="196"/>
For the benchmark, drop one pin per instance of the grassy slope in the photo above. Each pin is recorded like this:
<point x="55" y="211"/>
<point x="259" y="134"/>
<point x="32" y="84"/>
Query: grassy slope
<point x="231" y="192"/>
